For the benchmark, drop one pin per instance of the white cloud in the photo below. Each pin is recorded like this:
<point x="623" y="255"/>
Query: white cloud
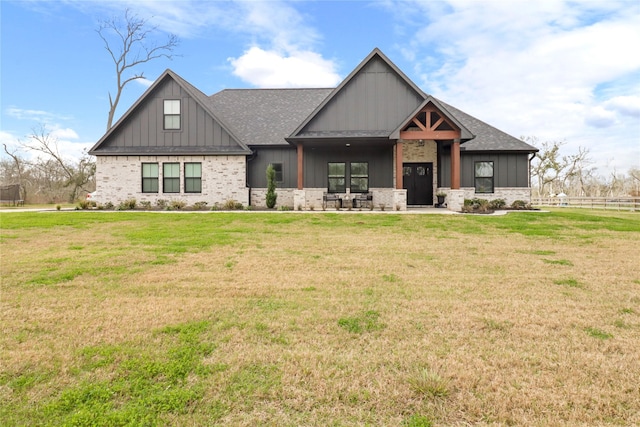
<point x="625" y="105"/>
<point x="536" y="68"/>
<point x="144" y="82"/>
<point x="271" y="69"/>
<point x="34" y="115"/>
<point x="281" y="45"/>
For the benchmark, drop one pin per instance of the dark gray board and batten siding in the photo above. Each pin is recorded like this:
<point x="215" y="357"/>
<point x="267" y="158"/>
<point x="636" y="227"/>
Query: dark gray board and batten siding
<point x="257" y="166"/>
<point x="376" y="99"/>
<point x="142" y="131"/>
<point x="510" y="169"/>
<point x="379" y="158"/>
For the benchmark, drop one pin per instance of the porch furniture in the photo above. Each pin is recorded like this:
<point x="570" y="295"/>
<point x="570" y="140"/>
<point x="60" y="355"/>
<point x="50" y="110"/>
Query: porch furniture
<point x="363" y="200"/>
<point x="331" y="197"/>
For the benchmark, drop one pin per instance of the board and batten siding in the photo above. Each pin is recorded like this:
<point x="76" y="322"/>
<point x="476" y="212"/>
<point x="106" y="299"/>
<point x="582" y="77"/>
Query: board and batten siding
<point x="376" y="99"/>
<point x="509" y="169"/>
<point x="144" y="126"/>
<point x="380" y="159"/>
<point x="257" y="166"/>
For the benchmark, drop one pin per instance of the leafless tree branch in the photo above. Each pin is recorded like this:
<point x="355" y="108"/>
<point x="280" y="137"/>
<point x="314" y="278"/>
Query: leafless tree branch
<point x="129" y="46"/>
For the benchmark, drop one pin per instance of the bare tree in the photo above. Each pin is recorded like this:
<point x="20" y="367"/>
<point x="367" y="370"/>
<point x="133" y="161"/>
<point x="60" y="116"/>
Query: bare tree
<point x="547" y="166"/>
<point x="576" y="171"/>
<point x="15" y="172"/>
<point x="76" y="176"/>
<point x="130" y="46"/>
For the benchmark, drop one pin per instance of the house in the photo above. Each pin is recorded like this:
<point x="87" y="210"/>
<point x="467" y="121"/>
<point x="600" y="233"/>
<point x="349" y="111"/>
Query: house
<point x="375" y="134"/>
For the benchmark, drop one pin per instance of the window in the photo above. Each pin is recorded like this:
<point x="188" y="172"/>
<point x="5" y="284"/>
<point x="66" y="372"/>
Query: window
<point x="171" y="114"/>
<point x="277" y="167"/>
<point x="149" y="177"/>
<point x="359" y="177"/>
<point x="171" y="177"/>
<point x="337" y="181"/>
<point x="193" y="178"/>
<point x="484" y="177"/>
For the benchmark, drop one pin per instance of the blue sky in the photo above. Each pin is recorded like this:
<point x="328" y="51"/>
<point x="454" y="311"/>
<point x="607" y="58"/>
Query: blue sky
<point x="558" y="70"/>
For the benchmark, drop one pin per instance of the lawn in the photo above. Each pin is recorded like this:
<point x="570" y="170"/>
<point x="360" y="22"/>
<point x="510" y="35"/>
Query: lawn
<point x="339" y="319"/>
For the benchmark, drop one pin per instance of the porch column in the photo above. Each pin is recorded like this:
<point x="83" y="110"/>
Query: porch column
<point x="300" y="166"/>
<point x="455" y="165"/>
<point x="398" y="165"/>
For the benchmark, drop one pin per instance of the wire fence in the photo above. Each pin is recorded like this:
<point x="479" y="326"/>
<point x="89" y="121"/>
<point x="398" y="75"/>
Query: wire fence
<point x="612" y="203"/>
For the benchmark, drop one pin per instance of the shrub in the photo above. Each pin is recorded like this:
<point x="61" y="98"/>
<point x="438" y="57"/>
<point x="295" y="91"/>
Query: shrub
<point x="161" y="203"/>
<point x="83" y="204"/>
<point x="108" y="206"/>
<point x="497" y="204"/>
<point x="58" y="207"/>
<point x="232" y="205"/>
<point x="271" y="187"/>
<point x="176" y="205"/>
<point x="285" y="208"/>
<point x="520" y="204"/>
<point x="200" y="205"/>
<point x="476" y="205"/>
<point x="127" y="205"/>
<point x="146" y="205"/>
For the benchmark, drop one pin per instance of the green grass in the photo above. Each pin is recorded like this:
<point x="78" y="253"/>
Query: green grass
<point x="141" y="318"/>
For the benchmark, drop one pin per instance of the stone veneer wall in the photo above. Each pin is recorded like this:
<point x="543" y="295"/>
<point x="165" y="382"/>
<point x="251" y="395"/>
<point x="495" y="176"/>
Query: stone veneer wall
<point x="509" y="194"/>
<point x="312" y="198"/>
<point x="285" y="197"/>
<point x="119" y="178"/>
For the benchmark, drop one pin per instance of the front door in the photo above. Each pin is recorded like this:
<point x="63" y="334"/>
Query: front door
<point x="417" y="179"/>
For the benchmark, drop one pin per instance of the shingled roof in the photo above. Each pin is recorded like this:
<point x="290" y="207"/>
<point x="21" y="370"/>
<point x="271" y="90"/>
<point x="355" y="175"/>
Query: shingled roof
<point x="266" y="116"/>
<point x="486" y="137"/>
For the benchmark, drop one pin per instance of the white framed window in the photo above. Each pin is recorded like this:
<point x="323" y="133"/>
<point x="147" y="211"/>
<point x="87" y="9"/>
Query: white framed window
<point x="171" y="114"/>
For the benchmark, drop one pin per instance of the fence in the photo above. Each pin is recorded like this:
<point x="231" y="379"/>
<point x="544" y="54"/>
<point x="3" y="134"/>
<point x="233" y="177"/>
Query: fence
<point x="613" y="203"/>
<point x="11" y="194"/>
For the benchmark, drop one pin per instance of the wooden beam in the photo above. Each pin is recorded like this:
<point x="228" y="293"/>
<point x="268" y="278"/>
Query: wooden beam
<point x="455" y="165"/>
<point x="429" y="134"/>
<point x="417" y="123"/>
<point x="398" y="165"/>
<point x="300" y="166"/>
<point x="438" y="123"/>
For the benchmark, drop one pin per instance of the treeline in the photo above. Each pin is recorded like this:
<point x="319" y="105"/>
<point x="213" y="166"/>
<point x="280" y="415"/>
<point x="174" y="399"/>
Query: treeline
<point x="47" y="176"/>
<point x="554" y="172"/>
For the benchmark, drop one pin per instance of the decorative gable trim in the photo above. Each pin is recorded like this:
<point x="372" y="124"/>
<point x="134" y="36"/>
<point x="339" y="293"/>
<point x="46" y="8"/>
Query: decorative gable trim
<point x="465" y="134"/>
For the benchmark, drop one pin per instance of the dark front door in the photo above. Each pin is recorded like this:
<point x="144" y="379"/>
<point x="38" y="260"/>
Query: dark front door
<point x="418" y="181"/>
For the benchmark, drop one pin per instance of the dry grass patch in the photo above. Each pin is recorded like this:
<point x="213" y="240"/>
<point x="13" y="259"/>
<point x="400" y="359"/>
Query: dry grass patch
<point x="321" y="319"/>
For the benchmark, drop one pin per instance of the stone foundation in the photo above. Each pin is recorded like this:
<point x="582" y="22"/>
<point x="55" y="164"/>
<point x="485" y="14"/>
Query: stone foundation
<point x="285" y="197"/>
<point x="455" y="198"/>
<point x="312" y="198"/>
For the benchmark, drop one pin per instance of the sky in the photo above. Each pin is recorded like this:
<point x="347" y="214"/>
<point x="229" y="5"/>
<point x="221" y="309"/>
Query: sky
<point x="566" y="71"/>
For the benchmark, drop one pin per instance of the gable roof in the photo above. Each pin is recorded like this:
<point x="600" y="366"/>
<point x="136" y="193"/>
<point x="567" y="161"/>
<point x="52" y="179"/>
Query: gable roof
<point x="357" y="96"/>
<point x="465" y="134"/>
<point x="266" y="116"/>
<point x="234" y="144"/>
<point x="276" y="117"/>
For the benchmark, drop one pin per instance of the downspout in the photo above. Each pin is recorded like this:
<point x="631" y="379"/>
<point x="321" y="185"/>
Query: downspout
<point x="250" y="157"/>
<point x="533" y="156"/>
